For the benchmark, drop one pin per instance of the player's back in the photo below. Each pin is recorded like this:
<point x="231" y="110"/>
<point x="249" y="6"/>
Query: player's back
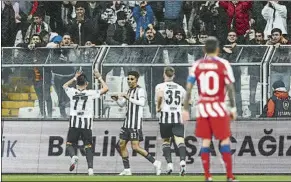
<point x="82" y="102"/>
<point x="213" y="74"/>
<point x="173" y="96"/>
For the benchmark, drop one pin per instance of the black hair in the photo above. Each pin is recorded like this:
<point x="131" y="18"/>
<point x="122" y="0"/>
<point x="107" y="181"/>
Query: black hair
<point x="81" y="80"/>
<point x="80" y="4"/>
<point x="232" y="30"/>
<point x="134" y="73"/>
<point x="211" y="45"/>
<point x="276" y="30"/>
<point x="67" y="33"/>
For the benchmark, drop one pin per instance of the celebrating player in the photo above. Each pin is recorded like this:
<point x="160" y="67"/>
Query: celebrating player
<point x="169" y="97"/>
<point x="81" y="116"/>
<point x="131" y="130"/>
<point x="213" y="118"/>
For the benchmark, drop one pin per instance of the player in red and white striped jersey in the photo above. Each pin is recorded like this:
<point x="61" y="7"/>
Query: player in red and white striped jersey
<point x="214" y="77"/>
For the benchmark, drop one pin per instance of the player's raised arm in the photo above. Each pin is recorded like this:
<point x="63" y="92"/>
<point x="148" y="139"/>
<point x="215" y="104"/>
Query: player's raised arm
<point x="104" y="88"/>
<point x="70" y="82"/>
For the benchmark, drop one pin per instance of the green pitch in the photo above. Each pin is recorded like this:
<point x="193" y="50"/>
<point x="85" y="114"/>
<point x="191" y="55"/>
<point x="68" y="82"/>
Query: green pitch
<point x="137" y="178"/>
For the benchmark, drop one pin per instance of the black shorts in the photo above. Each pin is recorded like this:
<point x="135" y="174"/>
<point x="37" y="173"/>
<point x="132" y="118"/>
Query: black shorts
<point x="169" y="130"/>
<point x="74" y="134"/>
<point x="130" y="134"/>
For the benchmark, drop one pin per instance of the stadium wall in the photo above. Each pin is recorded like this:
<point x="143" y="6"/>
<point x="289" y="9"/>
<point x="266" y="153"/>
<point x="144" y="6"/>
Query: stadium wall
<point x="39" y="147"/>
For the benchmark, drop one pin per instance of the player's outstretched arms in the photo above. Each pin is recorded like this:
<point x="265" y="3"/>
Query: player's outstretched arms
<point x="70" y="82"/>
<point x="104" y="88"/>
<point x="231" y="95"/>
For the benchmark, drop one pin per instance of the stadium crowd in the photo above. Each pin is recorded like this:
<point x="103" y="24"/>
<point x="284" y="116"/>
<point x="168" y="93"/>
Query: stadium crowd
<point x="144" y="22"/>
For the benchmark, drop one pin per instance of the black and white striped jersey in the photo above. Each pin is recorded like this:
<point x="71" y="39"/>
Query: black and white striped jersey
<point x="81" y="107"/>
<point x="173" y="97"/>
<point x="135" y="106"/>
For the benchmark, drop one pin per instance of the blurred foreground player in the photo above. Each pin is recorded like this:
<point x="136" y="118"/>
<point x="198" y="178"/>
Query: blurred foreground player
<point x="169" y="98"/>
<point x="213" y="74"/>
<point x="81" y="116"/>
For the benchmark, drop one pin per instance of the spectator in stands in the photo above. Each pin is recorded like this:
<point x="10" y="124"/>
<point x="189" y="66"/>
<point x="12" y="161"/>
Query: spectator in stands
<point x="280" y="72"/>
<point x="71" y="11"/>
<point x="279" y="105"/>
<point x="170" y="35"/>
<point x="120" y="33"/>
<point x="255" y="55"/>
<point x="209" y="17"/>
<point x="230" y="52"/>
<point x="158" y="7"/>
<point x="257" y="20"/>
<point x="275" y="14"/>
<point x="36" y="6"/>
<point x="173" y="13"/>
<point x="110" y="13"/>
<point x="68" y="11"/>
<point x="180" y="37"/>
<point x="150" y="37"/>
<point x="95" y="9"/>
<point x="41" y="76"/>
<point x="201" y="38"/>
<point x="82" y="30"/>
<point x="277" y="38"/>
<point x="62" y="73"/>
<point x="37" y="26"/>
<point x="180" y="55"/>
<point x="288" y="5"/>
<point x="54" y="40"/>
<point x="143" y="16"/>
<point x="238" y="15"/>
<point x="10" y="19"/>
<point x="54" y="11"/>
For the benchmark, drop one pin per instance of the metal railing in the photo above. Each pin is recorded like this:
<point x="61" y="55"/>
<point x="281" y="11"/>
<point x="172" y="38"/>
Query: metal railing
<point x="115" y="61"/>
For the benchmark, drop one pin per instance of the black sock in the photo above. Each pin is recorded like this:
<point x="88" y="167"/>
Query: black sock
<point x="150" y="158"/>
<point x="89" y="157"/>
<point x="125" y="161"/>
<point x="167" y="152"/>
<point x="182" y="151"/>
<point x="71" y="150"/>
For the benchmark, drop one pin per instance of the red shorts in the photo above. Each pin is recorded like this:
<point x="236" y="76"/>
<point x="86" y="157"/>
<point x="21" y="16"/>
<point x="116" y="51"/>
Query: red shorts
<point x="217" y="126"/>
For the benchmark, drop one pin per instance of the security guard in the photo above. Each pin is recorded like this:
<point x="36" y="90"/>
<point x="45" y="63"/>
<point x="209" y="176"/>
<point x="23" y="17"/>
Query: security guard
<point x="279" y="105"/>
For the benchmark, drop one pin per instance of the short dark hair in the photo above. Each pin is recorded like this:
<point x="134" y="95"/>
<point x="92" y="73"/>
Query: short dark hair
<point x="80" y="4"/>
<point x="133" y="73"/>
<point x="67" y="33"/>
<point x="82" y="79"/>
<point x="169" y="71"/>
<point x="35" y="35"/>
<point x="211" y="45"/>
<point x="39" y="14"/>
<point x="276" y="30"/>
<point x="232" y="30"/>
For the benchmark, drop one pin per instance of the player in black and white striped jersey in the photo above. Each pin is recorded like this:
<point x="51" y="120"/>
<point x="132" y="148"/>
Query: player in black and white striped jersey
<point x="81" y="116"/>
<point x="135" y="99"/>
<point x="169" y="99"/>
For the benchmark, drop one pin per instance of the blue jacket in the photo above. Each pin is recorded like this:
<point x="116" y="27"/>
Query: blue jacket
<point x="142" y="21"/>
